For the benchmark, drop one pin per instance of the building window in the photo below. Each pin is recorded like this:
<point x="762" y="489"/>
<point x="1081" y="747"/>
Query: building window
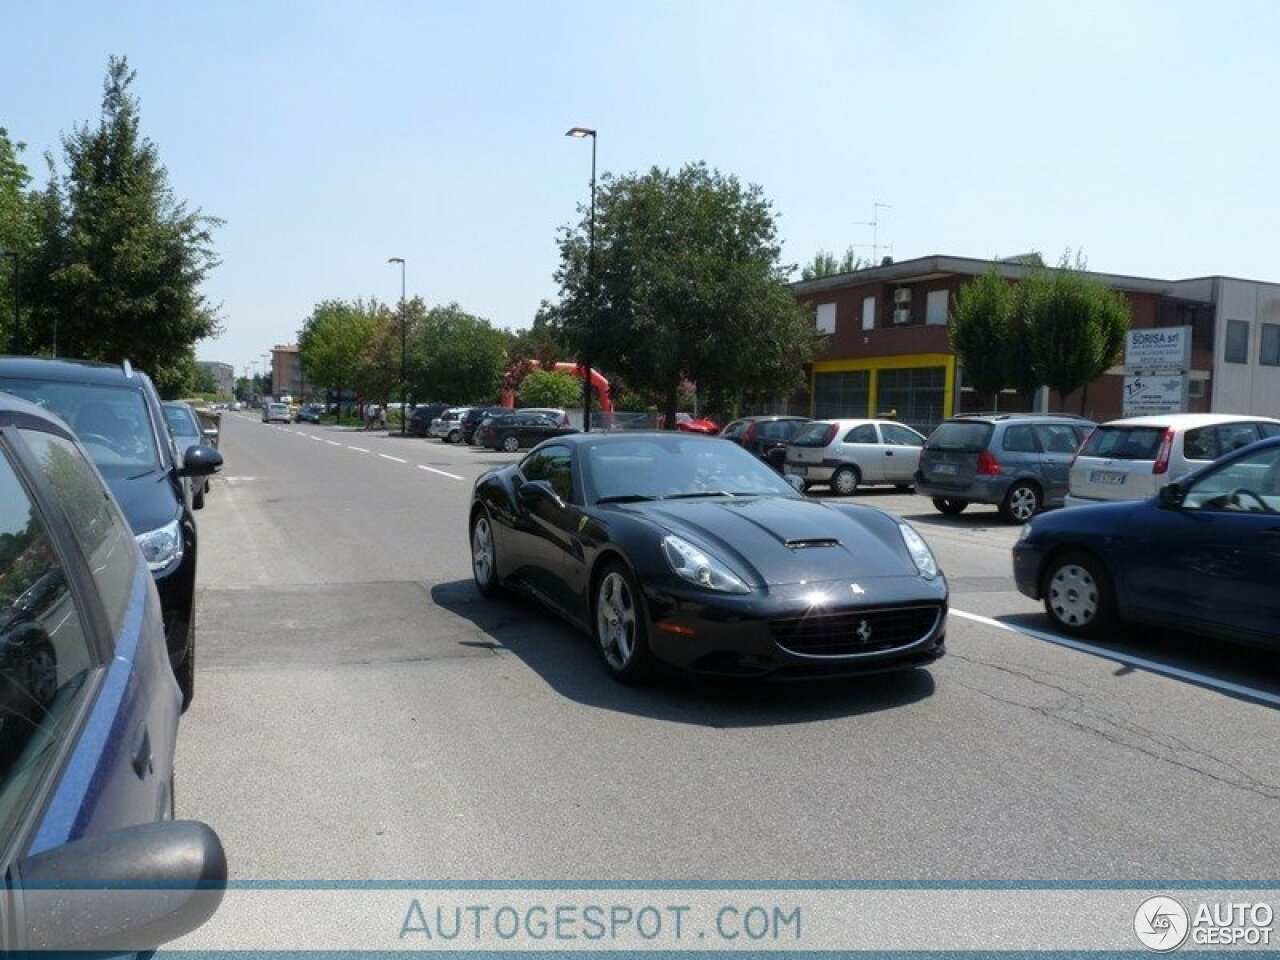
<point x="841" y="394"/>
<point x="826" y="318"/>
<point x="869" y="313"/>
<point x="1270" y="355"/>
<point x="1237" y="341"/>
<point x="935" y="308"/>
<point x="913" y="396"/>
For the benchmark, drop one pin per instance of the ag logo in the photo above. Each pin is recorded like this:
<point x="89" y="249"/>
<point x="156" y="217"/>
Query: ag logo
<point x="1161" y="924"/>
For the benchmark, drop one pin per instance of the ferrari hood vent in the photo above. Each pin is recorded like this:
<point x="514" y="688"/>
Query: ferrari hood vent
<point x="811" y="543"/>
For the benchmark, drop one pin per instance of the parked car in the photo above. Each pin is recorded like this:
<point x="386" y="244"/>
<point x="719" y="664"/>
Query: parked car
<point x="310" y="413"/>
<point x="678" y="548"/>
<point x="847" y="454"/>
<point x="448" y="426"/>
<point x="187" y="430"/>
<point x="276" y="413"/>
<point x="765" y="436"/>
<point x="690" y="424"/>
<point x="520" y="430"/>
<point x="89" y="709"/>
<point x="1133" y="458"/>
<point x="1200" y="555"/>
<point x="471" y="420"/>
<point x="116" y="414"/>
<point x="1017" y="461"/>
<point x="420" y="417"/>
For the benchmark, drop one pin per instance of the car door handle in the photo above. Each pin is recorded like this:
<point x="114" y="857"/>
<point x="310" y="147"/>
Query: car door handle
<point x="888" y="453"/>
<point x="142" y="763"/>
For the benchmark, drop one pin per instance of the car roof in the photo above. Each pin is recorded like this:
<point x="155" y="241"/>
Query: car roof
<point x="773" y="416"/>
<point x="69" y="371"/>
<point x="1187" y="420"/>
<point x="1001" y="417"/>
<point x="859" y="421"/>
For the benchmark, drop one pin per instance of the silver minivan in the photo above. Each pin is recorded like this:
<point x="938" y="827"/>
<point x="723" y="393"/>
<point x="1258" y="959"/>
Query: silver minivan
<point x="847" y="454"/>
<point x="1131" y="459"/>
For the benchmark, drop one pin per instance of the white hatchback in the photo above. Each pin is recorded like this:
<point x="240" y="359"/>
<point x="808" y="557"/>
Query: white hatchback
<point x="1132" y="459"/>
<point x="847" y="454"/>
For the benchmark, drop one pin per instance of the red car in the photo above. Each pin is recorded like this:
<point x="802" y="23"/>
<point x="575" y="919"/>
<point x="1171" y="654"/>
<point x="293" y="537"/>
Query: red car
<point x="687" y="423"/>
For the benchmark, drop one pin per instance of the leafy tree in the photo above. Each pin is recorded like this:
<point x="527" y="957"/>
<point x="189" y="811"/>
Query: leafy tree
<point x="540" y="342"/>
<point x="548" y="388"/>
<point x="333" y="340"/>
<point x="16" y="231"/>
<point x="687" y="285"/>
<point x="377" y="369"/>
<point x="1075" y="327"/>
<point x="119" y="261"/>
<point x="982" y="334"/>
<point x="825" y="264"/>
<point x="205" y="381"/>
<point x="457" y="356"/>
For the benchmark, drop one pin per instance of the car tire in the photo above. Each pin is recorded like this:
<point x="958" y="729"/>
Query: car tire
<point x="453" y="437"/>
<point x="484" y="554"/>
<point x="1021" y="503"/>
<point x="619" y="625"/>
<point x="510" y="444"/>
<point x="1078" y="596"/>
<point x="845" y="481"/>
<point x="952" y="508"/>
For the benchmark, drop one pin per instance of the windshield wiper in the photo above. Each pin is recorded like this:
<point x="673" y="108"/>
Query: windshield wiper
<point x="627" y="498"/>
<point x="700" y="493"/>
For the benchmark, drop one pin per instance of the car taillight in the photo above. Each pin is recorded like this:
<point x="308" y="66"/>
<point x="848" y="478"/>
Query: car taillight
<point x="988" y="465"/>
<point x="749" y="434"/>
<point x="1161" y="465"/>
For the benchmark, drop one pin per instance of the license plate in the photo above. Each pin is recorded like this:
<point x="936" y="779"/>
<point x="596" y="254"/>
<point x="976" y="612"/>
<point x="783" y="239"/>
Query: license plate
<point x="1111" y="477"/>
<point x="798" y="471"/>
<point x="945" y="469"/>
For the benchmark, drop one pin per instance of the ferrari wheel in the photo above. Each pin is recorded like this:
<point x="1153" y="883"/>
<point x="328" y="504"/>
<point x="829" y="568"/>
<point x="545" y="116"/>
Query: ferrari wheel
<point x="620" y="627"/>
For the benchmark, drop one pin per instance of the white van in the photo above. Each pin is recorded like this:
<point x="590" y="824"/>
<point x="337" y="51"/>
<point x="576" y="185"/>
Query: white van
<point x="1132" y="459"/>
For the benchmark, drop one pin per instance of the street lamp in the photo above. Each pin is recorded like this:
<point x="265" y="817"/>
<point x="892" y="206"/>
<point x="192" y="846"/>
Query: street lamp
<point x="400" y="260"/>
<point x="578" y="133"/>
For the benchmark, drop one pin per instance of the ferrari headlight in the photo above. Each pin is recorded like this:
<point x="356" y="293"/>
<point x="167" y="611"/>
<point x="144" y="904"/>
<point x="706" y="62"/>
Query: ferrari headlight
<point x="696" y="566"/>
<point x="162" y="547"/>
<point x="921" y="555"/>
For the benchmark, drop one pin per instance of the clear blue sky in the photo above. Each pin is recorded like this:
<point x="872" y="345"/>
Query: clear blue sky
<point x="331" y="136"/>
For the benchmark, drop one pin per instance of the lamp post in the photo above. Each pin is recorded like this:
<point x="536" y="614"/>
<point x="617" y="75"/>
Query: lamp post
<point x="403" y="326"/>
<point x="578" y="133"/>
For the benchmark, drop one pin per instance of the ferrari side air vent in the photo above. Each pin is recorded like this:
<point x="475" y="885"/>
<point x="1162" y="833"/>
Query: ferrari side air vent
<point x="809" y="544"/>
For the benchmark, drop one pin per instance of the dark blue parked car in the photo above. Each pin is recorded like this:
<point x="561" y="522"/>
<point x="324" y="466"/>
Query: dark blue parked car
<point x="89" y="708"/>
<point x="1203" y="555"/>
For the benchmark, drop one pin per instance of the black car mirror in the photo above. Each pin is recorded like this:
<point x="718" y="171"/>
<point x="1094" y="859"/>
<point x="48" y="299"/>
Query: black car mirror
<point x="1172" y="495"/>
<point x="127" y="890"/>
<point x="531" y="491"/>
<point x="200" y="461"/>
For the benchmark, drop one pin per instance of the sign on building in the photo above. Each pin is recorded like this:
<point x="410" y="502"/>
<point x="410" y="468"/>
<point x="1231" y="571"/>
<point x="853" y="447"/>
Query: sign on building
<point x="1157" y="366"/>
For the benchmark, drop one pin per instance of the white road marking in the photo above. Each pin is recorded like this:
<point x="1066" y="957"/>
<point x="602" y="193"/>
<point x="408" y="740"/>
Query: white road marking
<point x="451" y="476"/>
<point x="333" y="443"/>
<point x="1154" y="666"/>
<point x="387" y="456"/>
<point x="357" y="449"/>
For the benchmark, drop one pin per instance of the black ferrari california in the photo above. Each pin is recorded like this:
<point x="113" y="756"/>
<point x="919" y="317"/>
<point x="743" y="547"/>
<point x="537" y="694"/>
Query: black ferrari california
<point x="687" y="549"/>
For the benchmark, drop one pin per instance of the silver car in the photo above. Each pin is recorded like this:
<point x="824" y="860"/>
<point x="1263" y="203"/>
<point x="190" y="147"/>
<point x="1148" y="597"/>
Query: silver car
<point x="448" y="426"/>
<point x="847" y="454"/>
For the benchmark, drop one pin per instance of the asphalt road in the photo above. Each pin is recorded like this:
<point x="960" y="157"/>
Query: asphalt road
<point x="361" y="713"/>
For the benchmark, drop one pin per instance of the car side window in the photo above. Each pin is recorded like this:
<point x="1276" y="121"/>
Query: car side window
<point x="1269" y="429"/>
<point x="45" y="650"/>
<point x="864" y="433"/>
<point x="900" y="436"/>
<point x="1201" y="444"/>
<point x="1057" y="437"/>
<point x="554" y="464"/>
<point x="734" y="430"/>
<point x="1250" y="484"/>
<point x="1233" y="436"/>
<point x="1020" y="439"/>
<point x="103" y="535"/>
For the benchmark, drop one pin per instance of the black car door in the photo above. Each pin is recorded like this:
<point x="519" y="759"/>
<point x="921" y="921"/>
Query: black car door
<point x="545" y="505"/>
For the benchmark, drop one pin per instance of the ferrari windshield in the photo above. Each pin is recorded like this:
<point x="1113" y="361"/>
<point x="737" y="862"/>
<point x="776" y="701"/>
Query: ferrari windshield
<point x="662" y="466"/>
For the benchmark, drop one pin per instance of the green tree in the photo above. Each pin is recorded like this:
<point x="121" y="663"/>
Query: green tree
<point x="539" y="342"/>
<point x="457" y="356"/>
<point x="120" y="261"/>
<point x="825" y="264"/>
<point x="1075" y="327"/>
<point x="547" y="388"/>
<point x="982" y="334"/>
<point x="17" y="235"/>
<point x="205" y="381"/>
<point x="333" y="340"/>
<point x="377" y="370"/>
<point x="687" y="285"/>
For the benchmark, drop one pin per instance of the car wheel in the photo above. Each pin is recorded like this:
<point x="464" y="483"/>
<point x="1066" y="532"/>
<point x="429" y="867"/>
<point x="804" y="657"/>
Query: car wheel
<point x="511" y="444"/>
<point x="948" y="506"/>
<point x="620" y="628"/>
<point x="845" y="481"/>
<point x="1078" y="596"/>
<point x="453" y="437"/>
<point x="484" y="554"/>
<point x="1021" y="503"/>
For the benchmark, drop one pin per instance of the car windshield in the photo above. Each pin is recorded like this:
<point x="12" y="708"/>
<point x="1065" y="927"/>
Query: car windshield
<point x="680" y="465"/>
<point x="181" y="421"/>
<point x="1124" y="443"/>
<point x="960" y="436"/>
<point x="111" y="422"/>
